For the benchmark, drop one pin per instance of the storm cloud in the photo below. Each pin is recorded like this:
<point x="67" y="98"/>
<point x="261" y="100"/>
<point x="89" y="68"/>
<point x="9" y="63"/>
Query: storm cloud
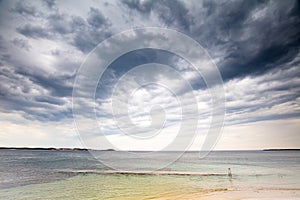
<point x="255" y="45"/>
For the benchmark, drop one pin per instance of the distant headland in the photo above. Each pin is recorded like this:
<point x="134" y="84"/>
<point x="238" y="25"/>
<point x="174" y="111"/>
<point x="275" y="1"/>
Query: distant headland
<point x="50" y="149"/>
<point x="281" y="150"/>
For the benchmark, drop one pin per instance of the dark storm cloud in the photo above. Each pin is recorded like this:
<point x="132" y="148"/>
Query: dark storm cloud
<point x="170" y="12"/>
<point x="96" y="18"/>
<point x="86" y="39"/>
<point x="227" y="29"/>
<point x="272" y="47"/>
<point x="59" y="24"/>
<point x="274" y="95"/>
<point x="251" y="45"/>
<point x="23" y="8"/>
<point x="259" y="63"/>
<point x="90" y="32"/>
<point x="37" y="96"/>
<point x="247" y="38"/>
<point x="50" y="3"/>
<point x="2" y="47"/>
<point x="58" y="86"/>
<point x="34" y="31"/>
<point x="82" y="33"/>
<point x="126" y="62"/>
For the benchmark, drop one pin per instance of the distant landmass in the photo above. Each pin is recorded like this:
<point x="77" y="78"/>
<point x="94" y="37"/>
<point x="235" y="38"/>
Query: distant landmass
<point x="281" y="150"/>
<point x="44" y="148"/>
<point x="50" y="149"/>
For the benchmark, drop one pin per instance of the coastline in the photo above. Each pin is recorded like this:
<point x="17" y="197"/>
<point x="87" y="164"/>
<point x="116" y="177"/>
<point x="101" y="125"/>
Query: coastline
<point x="43" y="149"/>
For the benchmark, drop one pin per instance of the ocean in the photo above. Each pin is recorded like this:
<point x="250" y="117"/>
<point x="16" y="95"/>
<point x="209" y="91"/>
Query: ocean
<point x="43" y="174"/>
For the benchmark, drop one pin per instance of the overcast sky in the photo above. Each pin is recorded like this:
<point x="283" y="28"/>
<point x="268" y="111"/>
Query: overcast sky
<point x="254" y="44"/>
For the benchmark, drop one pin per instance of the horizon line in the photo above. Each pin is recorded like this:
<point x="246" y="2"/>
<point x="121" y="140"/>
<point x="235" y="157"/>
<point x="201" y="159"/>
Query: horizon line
<point x="86" y="149"/>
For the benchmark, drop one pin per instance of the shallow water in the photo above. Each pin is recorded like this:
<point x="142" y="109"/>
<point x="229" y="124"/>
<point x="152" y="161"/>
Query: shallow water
<point x="38" y="175"/>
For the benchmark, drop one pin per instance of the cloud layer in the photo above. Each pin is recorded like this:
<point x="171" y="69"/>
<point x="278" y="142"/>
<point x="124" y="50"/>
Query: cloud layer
<point x="255" y="45"/>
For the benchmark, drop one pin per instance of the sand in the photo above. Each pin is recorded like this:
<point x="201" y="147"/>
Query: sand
<point x="261" y="194"/>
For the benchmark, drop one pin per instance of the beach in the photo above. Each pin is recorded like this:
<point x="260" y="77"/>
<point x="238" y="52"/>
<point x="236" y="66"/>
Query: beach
<point x="134" y="187"/>
<point x="76" y="175"/>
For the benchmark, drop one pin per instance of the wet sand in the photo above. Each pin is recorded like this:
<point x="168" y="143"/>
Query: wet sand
<point x="259" y="194"/>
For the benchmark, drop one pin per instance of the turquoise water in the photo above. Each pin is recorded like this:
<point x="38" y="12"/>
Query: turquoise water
<point x="42" y="175"/>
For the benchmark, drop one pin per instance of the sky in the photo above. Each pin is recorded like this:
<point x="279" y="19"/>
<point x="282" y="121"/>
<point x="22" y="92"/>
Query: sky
<point x="254" y="45"/>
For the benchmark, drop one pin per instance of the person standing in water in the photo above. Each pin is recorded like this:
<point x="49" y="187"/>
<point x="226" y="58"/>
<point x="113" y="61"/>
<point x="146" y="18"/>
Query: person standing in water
<point x="229" y="173"/>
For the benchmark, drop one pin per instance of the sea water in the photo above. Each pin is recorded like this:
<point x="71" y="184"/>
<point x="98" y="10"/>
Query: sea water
<point x="42" y="174"/>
